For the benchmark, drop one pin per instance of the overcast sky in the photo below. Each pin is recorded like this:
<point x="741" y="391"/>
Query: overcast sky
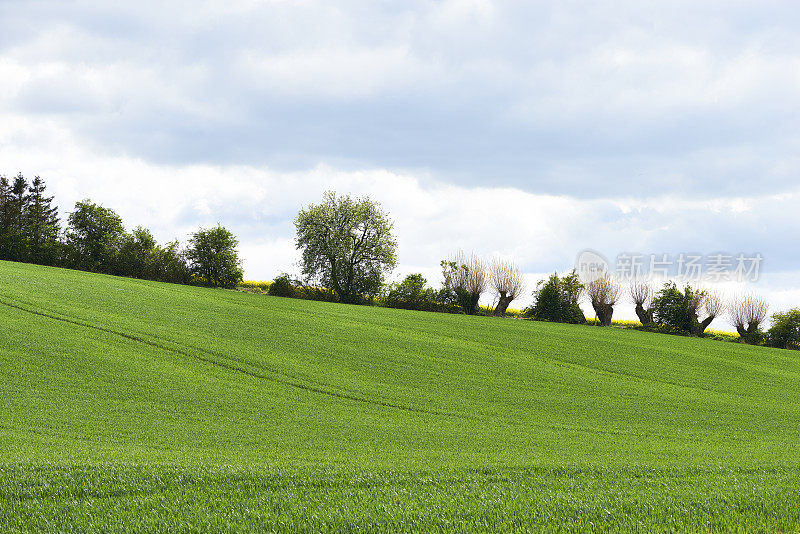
<point x="524" y="130"/>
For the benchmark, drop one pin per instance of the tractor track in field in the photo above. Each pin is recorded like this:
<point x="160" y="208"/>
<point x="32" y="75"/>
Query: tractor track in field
<point x="228" y="366"/>
<point x="213" y="360"/>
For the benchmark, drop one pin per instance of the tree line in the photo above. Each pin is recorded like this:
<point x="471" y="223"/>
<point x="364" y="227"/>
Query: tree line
<point x="347" y="248"/>
<point x="95" y="239"/>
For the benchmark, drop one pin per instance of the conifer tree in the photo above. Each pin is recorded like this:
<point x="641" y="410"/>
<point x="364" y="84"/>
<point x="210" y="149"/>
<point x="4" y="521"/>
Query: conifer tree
<point x="14" y="209"/>
<point x="5" y="218"/>
<point x="42" y="225"/>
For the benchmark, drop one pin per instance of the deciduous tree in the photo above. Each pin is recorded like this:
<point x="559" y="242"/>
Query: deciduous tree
<point x="347" y="245"/>
<point x="214" y="258"/>
<point x="785" y="330"/>
<point x="711" y="306"/>
<point x="747" y="313"/>
<point x="93" y="236"/>
<point x="603" y="293"/>
<point x="507" y="283"/>
<point x="642" y="293"/>
<point x="557" y="299"/>
<point x="466" y="277"/>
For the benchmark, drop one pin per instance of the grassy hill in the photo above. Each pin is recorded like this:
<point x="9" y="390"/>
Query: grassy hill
<point x="127" y="404"/>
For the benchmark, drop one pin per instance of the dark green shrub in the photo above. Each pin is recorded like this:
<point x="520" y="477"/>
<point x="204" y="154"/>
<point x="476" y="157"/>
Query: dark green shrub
<point x="754" y="338"/>
<point x="785" y="331"/>
<point x="282" y="287"/>
<point x="556" y="299"/>
<point x="168" y="264"/>
<point x="410" y="294"/>
<point x="323" y="294"/>
<point x="413" y="294"/>
<point x="677" y="309"/>
<point x="662" y="329"/>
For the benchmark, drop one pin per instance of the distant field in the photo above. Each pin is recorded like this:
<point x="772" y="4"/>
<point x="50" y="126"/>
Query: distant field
<point x="131" y="405"/>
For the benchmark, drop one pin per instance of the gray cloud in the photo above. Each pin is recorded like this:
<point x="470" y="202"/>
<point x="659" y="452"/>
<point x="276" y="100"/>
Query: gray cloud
<point x="529" y="130"/>
<point x="566" y="99"/>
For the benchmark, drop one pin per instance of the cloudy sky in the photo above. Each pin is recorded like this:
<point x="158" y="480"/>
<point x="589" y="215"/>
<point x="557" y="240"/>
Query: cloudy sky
<point x="527" y="130"/>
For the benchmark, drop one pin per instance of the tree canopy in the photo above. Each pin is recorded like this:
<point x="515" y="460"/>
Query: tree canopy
<point x="94" y="234"/>
<point x="347" y="245"/>
<point x="213" y="257"/>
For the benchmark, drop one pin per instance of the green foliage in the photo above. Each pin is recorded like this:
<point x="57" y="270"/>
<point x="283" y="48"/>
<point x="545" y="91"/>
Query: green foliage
<point x="214" y="258"/>
<point x="556" y="300"/>
<point x="140" y="256"/>
<point x="411" y="294"/>
<point x="5" y="219"/>
<point x="14" y="227"/>
<point x="41" y="225"/>
<point x="322" y="294"/>
<point x="168" y="264"/>
<point x="347" y="245"/>
<point x="467" y="300"/>
<point x="282" y="286"/>
<point x="785" y="330"/>
<point x="134" y="405"/>
<point x="661" y="328"/>
<point x="94" y="235"/>
<point x="135" y="252"/>
<point x="28" y="222"/>
<point x="677" y="309"/>
<point x="754" y="338"/>
<point x="94" y="240"/>
<point x="454" y="294"/>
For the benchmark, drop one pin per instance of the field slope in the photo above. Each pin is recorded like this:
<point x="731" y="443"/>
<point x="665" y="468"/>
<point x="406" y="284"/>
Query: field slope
<point x="133" y="405"/>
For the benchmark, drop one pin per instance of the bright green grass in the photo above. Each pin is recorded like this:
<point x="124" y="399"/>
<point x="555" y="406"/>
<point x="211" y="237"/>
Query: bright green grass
<point x="133" y="405"/>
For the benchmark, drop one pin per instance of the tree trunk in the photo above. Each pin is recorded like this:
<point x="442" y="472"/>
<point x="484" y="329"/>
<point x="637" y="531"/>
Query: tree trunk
<point x="645" y="316"/>
<point x="704" y="325"/>
<point x="604" y="313"/>
<point x="502" y="305"/>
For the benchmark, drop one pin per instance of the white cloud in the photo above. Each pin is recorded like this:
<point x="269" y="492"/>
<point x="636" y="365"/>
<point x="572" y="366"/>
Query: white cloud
<point x="527" y="130"/>
<point x="541" y="233"/>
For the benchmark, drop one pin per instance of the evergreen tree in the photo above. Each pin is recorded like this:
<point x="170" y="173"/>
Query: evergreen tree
<point x="5" y="218"/>
<point x="41" y="225"/>
<point x="14" y="209"/>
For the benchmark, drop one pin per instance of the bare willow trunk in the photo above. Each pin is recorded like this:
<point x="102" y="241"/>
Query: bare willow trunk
<point x="645" y="316"/>
<point x="603" y="294"/>
<point x="503" y="302"/>
<point x="469" y="279"/>
<point x="507" y="282"/>
<point x="604" y="312"/>
<point x="704" y="324"/>
<point x="713" y="306"/>
<point x="642" y="295"/>
<point x="747" y="314"/>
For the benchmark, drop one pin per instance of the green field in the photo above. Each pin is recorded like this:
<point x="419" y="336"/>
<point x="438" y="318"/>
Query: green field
<point x="134" y="405"/>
